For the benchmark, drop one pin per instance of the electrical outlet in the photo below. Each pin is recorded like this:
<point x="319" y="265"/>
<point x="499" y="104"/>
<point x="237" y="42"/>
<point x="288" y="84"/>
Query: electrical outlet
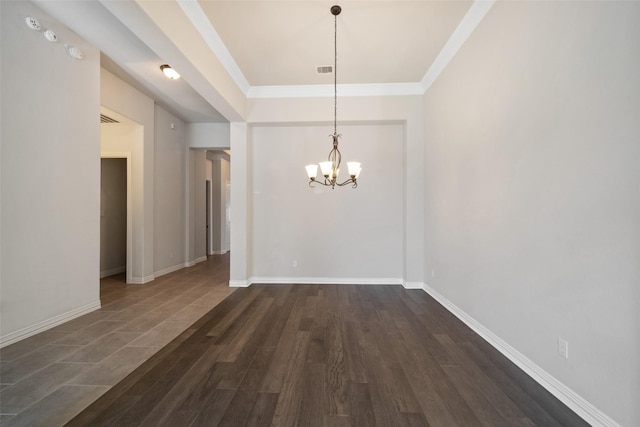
<point x="294" y="264"/>
<point x="563" y="348"/>
<point x="433" y="272"/>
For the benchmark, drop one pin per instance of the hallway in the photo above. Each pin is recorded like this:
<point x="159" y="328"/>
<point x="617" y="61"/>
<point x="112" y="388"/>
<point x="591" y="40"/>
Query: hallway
<point x="46" y="379"/>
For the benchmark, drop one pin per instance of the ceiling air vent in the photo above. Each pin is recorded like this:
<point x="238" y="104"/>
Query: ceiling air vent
<point x="324" y="69"/>
<point x="107" y="119"/>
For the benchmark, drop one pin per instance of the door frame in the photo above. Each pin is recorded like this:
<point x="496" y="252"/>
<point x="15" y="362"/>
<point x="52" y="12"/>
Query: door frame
<point x="208" y="221"/>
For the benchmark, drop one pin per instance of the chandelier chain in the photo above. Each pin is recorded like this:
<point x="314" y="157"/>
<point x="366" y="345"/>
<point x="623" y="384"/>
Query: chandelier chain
<point x="335" y="74"/>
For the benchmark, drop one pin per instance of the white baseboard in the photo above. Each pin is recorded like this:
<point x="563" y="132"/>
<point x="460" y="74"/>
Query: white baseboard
<point x="575" y="402"/>
<point x="112" y="271"/>
<point x="324" y="281"/>
<point x="218" y="252"/>
<point x="141" y="280"/>
<point x="412" y="285"/>
<point x="238" y="283"/>
<point x="42" y="326"/>
<point x="313" y="281"/>
<point x="177" y="267"/>
<point x="171" y="269"/>
<point x="193" y="262"/>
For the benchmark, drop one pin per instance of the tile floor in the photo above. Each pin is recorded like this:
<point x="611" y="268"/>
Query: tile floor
<point x="46" y="379"/>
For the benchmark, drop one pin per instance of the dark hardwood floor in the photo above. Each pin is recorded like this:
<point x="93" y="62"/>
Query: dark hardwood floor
<point x="316" y="355"/>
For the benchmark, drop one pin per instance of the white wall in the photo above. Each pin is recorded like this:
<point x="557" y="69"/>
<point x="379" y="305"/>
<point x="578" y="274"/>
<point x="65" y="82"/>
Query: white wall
<point x="241" y="214"/>
<point x="208" y="135"/>
<point x="163" y="180"/>
<point x="113" y="216"/>
<point x="294" y="115"/>
<point x="531" y="162"/>
<point x="340" y="235"/>
<point x="170" y="177"/>
<point x="50" y="175"/>
<point x="123" y="99"/>
<point x="51" y="145"/>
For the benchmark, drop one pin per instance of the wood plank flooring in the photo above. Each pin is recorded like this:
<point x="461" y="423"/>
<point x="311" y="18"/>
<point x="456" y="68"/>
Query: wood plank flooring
<point x="324" y="355"/>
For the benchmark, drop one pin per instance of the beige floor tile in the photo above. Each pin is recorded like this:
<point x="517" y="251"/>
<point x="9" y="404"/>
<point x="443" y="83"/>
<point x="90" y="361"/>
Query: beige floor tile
<point x="171" y="307"/>
<point x="26" y="346"/>
<point x="161" y="335"/>
<point x="4" y="418"/>
<point x="34" y="387"/>
<point x="102" y="347"/>
<point x="59" y="407"/>
<point x="90" y="333"/>
<point x="115" y="367"/>
<point x="117" y="338"/>
<point x="212" y="299"/>
<point x="13" y="372"/>
<point x="82" y="321"/>
<point x="144" y="323"/>
<point x="190" y="314"/>
<point x="121" y="304"/>
<point x="132" y="312"/>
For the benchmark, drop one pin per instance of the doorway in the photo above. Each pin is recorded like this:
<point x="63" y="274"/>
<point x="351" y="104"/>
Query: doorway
<point x="113" y="216"/>
<point x="218" y="202"/>
<point x="122" y="138"/>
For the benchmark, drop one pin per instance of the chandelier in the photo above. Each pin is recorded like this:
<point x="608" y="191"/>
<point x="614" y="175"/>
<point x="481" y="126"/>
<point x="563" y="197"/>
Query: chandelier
<point x="331" y="168"/>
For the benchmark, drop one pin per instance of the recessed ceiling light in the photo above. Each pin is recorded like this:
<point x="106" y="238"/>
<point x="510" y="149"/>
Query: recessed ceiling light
<point x="169" y="72"/>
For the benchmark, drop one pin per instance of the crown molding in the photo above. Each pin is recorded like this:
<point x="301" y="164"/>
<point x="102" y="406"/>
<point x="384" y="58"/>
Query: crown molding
<point x="471" y="19"/>
<point x="326" y="91"/>
<point x="200" y="21"/>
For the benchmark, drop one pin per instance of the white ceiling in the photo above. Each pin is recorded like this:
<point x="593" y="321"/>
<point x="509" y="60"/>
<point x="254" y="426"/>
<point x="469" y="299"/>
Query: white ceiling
<point x="282" y="42"/>
<point x="270" y="43"/>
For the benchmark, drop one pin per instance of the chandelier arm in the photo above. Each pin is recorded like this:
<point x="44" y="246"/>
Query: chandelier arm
<point x="337" y="156"/>
<point x="349" y="181"/>
<point x="325" y="183"/>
